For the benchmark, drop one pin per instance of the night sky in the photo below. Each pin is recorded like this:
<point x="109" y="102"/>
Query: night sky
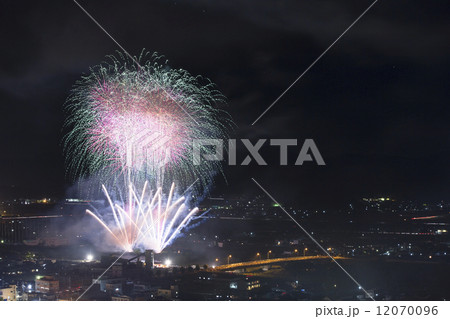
<point x="376" y="104"/>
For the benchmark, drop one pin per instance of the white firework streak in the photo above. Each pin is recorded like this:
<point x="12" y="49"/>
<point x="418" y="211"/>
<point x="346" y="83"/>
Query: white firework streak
<point x="144" y="221"/>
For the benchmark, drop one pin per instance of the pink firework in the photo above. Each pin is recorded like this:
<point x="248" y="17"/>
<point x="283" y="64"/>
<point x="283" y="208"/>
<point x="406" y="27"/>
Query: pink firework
<point x="141" y="121"/>
<point x="138" y="127"/>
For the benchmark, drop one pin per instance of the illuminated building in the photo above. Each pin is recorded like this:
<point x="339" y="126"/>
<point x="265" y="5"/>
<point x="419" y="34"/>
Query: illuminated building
<point x="47" y="285"/>
<point x="9" y="294"/>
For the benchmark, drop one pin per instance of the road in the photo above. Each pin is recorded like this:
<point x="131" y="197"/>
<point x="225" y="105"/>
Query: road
<point x="271" y="261"/>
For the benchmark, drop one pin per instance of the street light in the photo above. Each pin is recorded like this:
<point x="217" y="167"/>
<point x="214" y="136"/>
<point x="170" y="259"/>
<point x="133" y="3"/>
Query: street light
<point x="296" y="251"/>
<point x="304" y="251"/>
<point x="268" y="254"/>
<point x="229" y="256"/>
<point x="258" y="255"/>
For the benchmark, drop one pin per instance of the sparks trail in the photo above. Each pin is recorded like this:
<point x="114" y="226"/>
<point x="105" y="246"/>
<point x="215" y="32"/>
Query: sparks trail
<point x="146" y="220"/>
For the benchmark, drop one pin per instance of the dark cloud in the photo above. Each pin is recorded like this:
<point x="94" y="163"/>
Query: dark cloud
<point x="376" y="104"/>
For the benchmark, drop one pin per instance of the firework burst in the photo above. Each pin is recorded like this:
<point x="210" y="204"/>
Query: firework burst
<point x="133" y="125"/>
<point x="141" y="120"/>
